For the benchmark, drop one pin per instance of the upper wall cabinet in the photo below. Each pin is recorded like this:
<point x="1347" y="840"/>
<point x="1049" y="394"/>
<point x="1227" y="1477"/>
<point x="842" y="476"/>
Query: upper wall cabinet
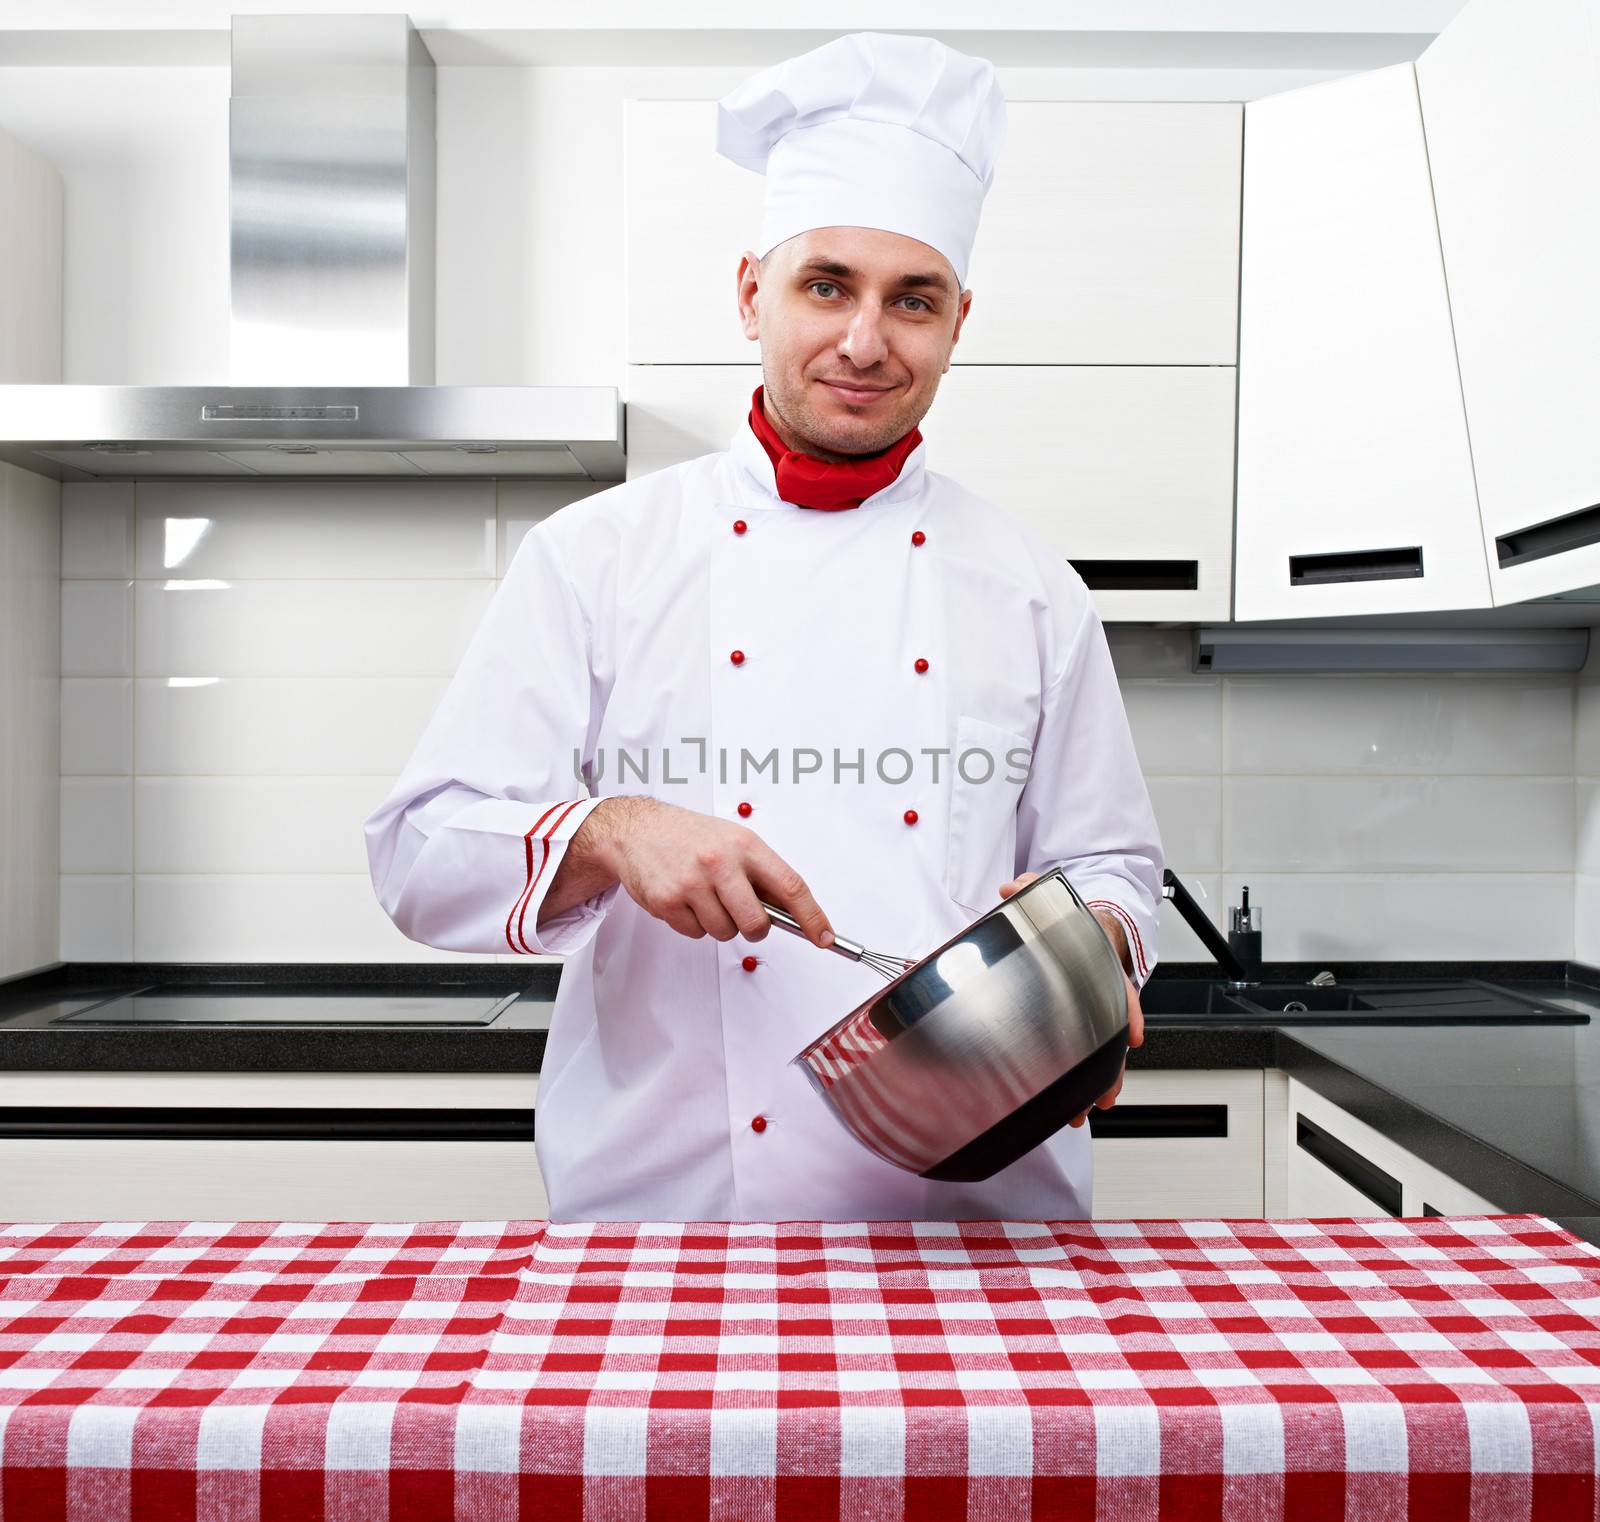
<point x="1125" y="470"/>
<point x="1511" y="102"/>
<point x="1355" y="490"/>
<point x="1109" y="237"/>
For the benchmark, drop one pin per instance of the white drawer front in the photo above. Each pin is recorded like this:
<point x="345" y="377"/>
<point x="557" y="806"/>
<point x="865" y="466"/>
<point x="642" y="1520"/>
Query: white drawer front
<point x="1184" y="1177"/>
<point x="1316" y="1190"/>
<point x="117" y="1179"/>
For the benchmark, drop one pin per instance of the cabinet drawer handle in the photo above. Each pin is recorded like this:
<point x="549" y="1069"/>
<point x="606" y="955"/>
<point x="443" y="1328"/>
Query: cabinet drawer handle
<point x="1572" y="531"/>
<point x="1383" y="1189"/>
<point x="1126" y="1122"/>
<point x="175" y="1123"/>
<point x="1355" y="565"/>
<point x="1139" y="575"/>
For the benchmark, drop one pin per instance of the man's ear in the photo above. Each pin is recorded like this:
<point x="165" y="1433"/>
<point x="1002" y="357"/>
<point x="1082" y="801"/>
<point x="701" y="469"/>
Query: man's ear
<point x="749" y="289"/>
<point x="962" y="308"/>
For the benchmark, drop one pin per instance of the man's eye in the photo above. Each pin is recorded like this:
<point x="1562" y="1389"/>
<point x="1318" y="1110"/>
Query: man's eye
<point x="823" y="287"/>
<point x="922" y="305"/>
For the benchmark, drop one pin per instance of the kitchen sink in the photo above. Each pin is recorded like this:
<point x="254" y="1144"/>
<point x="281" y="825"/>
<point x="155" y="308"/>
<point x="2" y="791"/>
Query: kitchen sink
<point x="1361" y="1002"/>
<point x="1188" y="996"/>
<point x="1301" y="998"/>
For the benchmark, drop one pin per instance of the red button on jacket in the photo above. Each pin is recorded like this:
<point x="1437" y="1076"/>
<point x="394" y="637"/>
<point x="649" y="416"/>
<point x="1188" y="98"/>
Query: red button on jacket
<point x="749" y="964"/>
<point x="737" y="657"/>
<point x="920" y="665"/>
<point x="739" y="525"/>
<point x="918" y="537"/>
<point x="759" y="1123"/>
<point x="911" y="816"/>
<point x="744" y="810"/>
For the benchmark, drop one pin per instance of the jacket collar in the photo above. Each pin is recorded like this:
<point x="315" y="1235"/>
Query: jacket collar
<point x="753" y="468"/>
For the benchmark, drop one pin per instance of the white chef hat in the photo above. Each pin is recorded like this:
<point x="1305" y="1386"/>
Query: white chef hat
<point x="871" y="130"/>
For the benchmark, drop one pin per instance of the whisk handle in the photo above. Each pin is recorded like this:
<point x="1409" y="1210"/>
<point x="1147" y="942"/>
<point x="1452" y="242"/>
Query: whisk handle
<point x="786" y="921"/>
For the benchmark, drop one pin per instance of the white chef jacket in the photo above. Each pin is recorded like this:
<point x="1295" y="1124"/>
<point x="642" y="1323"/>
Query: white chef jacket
<point x="667" y="1091"/>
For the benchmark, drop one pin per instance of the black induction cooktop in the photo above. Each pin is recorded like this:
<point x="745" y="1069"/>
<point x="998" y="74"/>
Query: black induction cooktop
<point x="173" y="1004"/>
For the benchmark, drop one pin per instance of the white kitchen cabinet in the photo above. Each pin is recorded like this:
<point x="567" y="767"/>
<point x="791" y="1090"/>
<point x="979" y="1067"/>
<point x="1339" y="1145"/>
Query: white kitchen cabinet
<point x="67" y="1177"/>
<point x="1355" y="486"/>
<point x="1109" y="236"/>
<point x="1185" y="1145"/>
<point x="1338" y="1165"/>
<point x="1127" y="471"/>
<point x="1511" y="104"/>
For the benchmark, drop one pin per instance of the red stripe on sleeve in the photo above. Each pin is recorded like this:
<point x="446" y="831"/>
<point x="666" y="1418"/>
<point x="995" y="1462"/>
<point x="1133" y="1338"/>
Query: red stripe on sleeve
<point x="528" y="882"/>
<point x="1133" y="932"/>
<point x="544" y="857"/>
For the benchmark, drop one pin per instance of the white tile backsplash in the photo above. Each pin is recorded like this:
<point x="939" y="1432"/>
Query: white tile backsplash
<point x="290" y="656"/>
<point x="97" y="529"/>
<point x="311" y="530"/>
<point x="210" y="627"/>
<point x="284" y="825"/>
<point x="267" y="918"/>
<point x="1189" y="816"/>
<point x="1176" y="724"/>
<point x="1324" y="724"/>
<point x="96" y="918"/>
<point x="97" y="824"/>
<point x="30" y="712"/>
<point x="96" y="628"/>
<point x="96" y="726"/>
<point x="1397" y="824"/>
<point x="276" y="726"/>
<point x="1587" y="727"/>
<point x="1586" y="918"/>
<point x="1178" y="943"/>
<point x="1587" y="859"/>
<point x="1360" y="916"/>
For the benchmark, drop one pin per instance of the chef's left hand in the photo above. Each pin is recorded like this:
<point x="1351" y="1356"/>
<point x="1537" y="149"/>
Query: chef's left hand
<point x="1135" y="1014"/>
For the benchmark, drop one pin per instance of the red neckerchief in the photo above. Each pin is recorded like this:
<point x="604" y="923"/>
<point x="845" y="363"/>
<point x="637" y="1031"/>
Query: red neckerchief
<point x="806" y="481"/>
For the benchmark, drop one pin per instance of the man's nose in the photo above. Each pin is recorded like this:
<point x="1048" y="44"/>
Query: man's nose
<point x="863" y="342"/>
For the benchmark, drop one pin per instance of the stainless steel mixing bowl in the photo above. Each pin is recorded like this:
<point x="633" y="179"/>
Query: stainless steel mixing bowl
<point x="985" y="1047"/>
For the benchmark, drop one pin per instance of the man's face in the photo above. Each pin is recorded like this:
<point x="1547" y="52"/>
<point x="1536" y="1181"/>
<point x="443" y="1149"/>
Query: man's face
<point x="856" y="327"/>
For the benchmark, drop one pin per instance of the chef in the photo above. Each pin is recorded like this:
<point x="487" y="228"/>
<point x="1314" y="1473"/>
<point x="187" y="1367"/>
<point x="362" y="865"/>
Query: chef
<point x="806" y="669"/>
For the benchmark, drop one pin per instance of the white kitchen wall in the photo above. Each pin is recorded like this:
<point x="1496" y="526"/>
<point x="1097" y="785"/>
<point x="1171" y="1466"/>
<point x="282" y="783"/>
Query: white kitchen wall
<point x="30" y="571"/>
<point x="1586" y="922"/>
<point x="246" y="667"/>
<point x="30" y="698"/>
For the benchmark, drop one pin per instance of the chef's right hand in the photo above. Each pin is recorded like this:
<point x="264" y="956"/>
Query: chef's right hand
<point x="704" y="876"/>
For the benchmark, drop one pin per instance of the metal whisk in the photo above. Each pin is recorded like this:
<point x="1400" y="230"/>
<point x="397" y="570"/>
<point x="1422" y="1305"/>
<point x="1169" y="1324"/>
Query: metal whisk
<point x="880" y="962"/>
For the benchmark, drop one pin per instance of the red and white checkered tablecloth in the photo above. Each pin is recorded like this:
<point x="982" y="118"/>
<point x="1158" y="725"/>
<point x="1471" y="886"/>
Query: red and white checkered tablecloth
<point x="1434" y="1368"/>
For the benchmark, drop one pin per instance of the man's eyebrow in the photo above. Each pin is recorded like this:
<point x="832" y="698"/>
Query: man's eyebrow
<point x="919" y="281"/>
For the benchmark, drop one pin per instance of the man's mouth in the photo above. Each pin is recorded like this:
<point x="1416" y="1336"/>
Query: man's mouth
<point x="855" y="395"/>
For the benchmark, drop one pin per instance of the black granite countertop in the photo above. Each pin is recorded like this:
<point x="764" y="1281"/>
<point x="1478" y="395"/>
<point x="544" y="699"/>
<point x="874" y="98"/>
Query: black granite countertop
<point x="1510" y="1110"/>
<point x="514" y="1043"/>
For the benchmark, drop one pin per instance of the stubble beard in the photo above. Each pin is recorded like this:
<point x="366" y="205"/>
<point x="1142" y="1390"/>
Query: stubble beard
<point x="825" y="434"/>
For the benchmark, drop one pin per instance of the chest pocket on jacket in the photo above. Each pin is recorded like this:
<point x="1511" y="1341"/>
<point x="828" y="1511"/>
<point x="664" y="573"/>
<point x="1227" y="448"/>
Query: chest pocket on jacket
<point x="988" y="770"/>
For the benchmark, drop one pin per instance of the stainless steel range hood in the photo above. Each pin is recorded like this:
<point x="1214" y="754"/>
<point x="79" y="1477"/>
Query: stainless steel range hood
<point x="331" y="359"/>
<point x="120" y="433"/>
